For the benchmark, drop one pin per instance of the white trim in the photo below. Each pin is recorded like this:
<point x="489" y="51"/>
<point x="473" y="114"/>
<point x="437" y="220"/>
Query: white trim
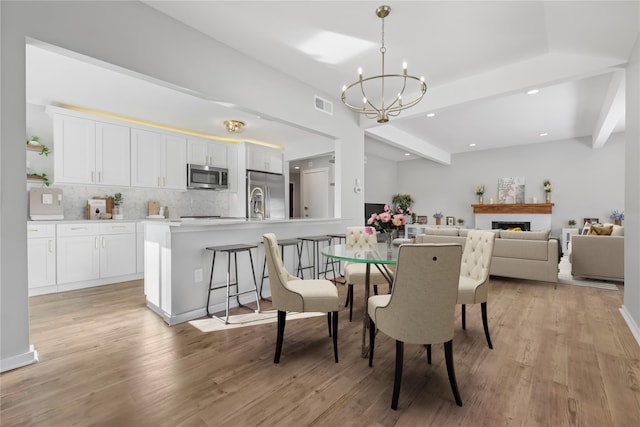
<point x="19" y="360"/>
<point x="633" y="326"/>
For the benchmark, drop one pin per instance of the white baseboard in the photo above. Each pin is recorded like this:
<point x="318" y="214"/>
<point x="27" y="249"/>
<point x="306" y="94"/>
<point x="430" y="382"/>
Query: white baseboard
<point x="633" y="326"/>
<point x="19" y="360"/>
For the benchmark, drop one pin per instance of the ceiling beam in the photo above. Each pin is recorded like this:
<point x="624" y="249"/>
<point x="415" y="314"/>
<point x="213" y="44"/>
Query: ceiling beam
<point x="405" y="141"/>
<point x="611" y="112"/>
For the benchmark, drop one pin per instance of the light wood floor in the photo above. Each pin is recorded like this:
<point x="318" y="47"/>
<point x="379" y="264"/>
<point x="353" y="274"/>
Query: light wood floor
<point x="561" y="357"/>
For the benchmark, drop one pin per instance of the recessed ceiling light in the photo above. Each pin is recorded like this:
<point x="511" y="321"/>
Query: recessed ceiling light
<point x="544" y="134"/>
<point x="533" y="91"/>
<point x="407" y="154"/>
<point x="431" y="114"/>
<point x="472" y="145"/>
<point x="296" y="167"/>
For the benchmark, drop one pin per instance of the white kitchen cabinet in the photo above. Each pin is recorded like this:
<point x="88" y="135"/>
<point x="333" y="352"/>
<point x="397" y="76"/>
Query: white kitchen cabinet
<point x="117" y="249"/>
<point x="265" y="159"/>
<point x="202" y="151"/>
<point x="90" y="152"/>
<point x="78" y="247"/>
<point x="41" y="257"/>
<point x="113" y="154"/>
<point x="74" y="144"/>
<point x="158" y="160"/>
<point x="95" y="251"/>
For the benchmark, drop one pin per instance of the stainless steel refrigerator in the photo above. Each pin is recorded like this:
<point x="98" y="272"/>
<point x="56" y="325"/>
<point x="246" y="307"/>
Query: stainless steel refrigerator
<point x="265" y="195"/>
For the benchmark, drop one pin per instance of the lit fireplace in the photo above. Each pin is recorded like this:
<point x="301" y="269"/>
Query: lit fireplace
<point x="505" y="225"/>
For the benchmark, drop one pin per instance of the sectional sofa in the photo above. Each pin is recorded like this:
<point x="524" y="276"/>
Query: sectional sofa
<point x="599" y="256"/>
<point x="529" y="255"/>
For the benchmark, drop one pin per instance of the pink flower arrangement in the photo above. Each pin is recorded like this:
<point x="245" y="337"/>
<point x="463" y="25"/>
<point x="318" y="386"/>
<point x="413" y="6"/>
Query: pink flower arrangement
<point x="388" y="221"/>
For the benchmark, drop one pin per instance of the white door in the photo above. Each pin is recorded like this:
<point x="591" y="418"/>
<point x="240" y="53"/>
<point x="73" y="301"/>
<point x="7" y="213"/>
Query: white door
<point x="315" y="193"/>
<point x="75" y="150"/>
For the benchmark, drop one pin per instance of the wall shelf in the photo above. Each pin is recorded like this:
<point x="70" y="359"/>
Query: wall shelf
<point x="513" y="208"/>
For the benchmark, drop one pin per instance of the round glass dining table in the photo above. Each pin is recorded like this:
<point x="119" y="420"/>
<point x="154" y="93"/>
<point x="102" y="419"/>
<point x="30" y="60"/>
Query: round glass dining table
<point x="381" y="258"/>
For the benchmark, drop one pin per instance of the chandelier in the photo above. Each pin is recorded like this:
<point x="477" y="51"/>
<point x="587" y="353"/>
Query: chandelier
<point x="234" y="125"/>
<point x="397" y="83"/>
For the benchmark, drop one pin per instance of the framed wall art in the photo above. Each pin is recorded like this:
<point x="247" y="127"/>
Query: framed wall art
<point x="511" y="190"/>
<point x="451" y="220"/>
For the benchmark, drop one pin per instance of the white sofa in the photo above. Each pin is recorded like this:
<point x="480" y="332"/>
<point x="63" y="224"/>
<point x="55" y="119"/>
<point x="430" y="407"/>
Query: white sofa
<point x="519" y="254"/>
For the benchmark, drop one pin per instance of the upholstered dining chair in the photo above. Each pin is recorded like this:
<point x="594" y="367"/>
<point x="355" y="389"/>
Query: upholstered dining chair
<point x="363" y="238"/>
<point x="474" y="275"/>
<point x="290" y="293"/>
<point x="420" y="309"/>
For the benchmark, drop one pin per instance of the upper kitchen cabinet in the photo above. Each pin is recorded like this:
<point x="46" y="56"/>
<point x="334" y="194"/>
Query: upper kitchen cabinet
<point x="265" y="159"/>
<point x="202" y="151"/>
<point x="90" y="152"/>
<point x="158" y="160"/>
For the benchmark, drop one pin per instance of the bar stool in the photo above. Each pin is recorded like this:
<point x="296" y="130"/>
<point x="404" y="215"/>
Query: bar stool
<point x="282" y="243"/>
<point x="340" y="238"/>
<point x="315" y="266"/>
<point x="232" y="250"/>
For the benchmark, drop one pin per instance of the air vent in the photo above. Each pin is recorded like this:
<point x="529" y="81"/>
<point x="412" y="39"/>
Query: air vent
<point x="323" y="105"/>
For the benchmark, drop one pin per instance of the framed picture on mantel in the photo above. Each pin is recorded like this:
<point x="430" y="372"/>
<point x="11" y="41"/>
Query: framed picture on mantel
<point x="451" y="220"/>
<point x="511" y="190"/>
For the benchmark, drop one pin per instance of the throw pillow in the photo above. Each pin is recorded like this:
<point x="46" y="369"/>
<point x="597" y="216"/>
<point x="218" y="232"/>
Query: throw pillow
<point x="600" y="230"/>
<point x="618" y="230"/>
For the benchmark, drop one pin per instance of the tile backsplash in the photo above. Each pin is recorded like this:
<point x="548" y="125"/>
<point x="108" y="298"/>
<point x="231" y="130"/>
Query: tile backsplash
<point x="135" y="201"/>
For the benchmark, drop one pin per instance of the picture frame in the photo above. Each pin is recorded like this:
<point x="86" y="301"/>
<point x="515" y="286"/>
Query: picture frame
<point x="511" y="190"/>
<point x="451" y="220"/>
<point x="590" y="221"/>
<point x="421" y="219"/>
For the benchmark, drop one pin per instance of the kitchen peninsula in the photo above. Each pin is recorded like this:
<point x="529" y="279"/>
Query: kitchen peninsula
<point x="177" y="266"/>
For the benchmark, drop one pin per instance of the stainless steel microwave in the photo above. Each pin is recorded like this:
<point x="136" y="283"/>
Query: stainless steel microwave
<point x="207" y="177"/>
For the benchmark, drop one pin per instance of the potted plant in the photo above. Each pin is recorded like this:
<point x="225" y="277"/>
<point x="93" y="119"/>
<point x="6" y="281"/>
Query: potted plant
<point x="572" y="223"/>
<point x="117" y="206"/>
<point x="460" y="222"/>
<point x="546" y="184"/>
<point x="35" y="141"/>
<point x="617" y="217"/>
<point x="438" y="217"/>
<point x="479" y="192"/>
<point x="403" y="202"/>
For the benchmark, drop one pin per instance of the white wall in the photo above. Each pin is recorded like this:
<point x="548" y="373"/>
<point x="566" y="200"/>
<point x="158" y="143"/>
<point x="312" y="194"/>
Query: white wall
<point x="135" y="37"/>
<point x="586" y="182"/>
<point x="381" y="182"/>
<point x="631" y="308"/>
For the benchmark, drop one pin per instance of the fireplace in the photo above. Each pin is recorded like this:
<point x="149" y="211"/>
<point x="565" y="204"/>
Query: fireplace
<point x="505" y="225"/>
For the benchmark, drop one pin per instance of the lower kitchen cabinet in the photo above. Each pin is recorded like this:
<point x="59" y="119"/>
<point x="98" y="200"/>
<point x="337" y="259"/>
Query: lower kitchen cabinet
<point x="66" y="256"/>
<point x="78" y="252"/>
<point x="41" y="255"/>
<point x="117" y="249"/>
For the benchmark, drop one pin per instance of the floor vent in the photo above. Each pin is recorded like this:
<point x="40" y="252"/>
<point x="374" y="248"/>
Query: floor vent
<point x="323" y="105"/>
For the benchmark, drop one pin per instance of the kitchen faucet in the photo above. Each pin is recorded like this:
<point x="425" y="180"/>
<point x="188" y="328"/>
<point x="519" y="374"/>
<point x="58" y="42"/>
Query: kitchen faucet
<point x="258" y="206"/>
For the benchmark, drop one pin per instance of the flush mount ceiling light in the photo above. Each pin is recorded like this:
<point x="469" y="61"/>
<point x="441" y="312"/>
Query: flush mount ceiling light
<point x="377" y="108"/>
<point x="533" y="91"/>
<point x="234" y="125"/>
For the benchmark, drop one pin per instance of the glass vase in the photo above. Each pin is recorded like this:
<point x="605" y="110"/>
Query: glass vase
<point x="480" y="201"/>
<point x="548" y="198"/>
<point x="388" y="234"/>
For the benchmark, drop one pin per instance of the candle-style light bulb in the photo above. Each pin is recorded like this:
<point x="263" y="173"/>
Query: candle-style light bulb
<point x="360" y="72"/>
<point x="404" y="67"/>
<point x="344" y="87"/>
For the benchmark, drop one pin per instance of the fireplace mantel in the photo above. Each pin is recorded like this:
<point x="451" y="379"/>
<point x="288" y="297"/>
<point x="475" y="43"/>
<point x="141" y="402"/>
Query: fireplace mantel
<point x="513" y="208"/>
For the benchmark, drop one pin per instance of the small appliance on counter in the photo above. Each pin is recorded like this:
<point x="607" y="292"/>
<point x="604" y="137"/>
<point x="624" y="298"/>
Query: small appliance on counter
<point x="45" y="204"/>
